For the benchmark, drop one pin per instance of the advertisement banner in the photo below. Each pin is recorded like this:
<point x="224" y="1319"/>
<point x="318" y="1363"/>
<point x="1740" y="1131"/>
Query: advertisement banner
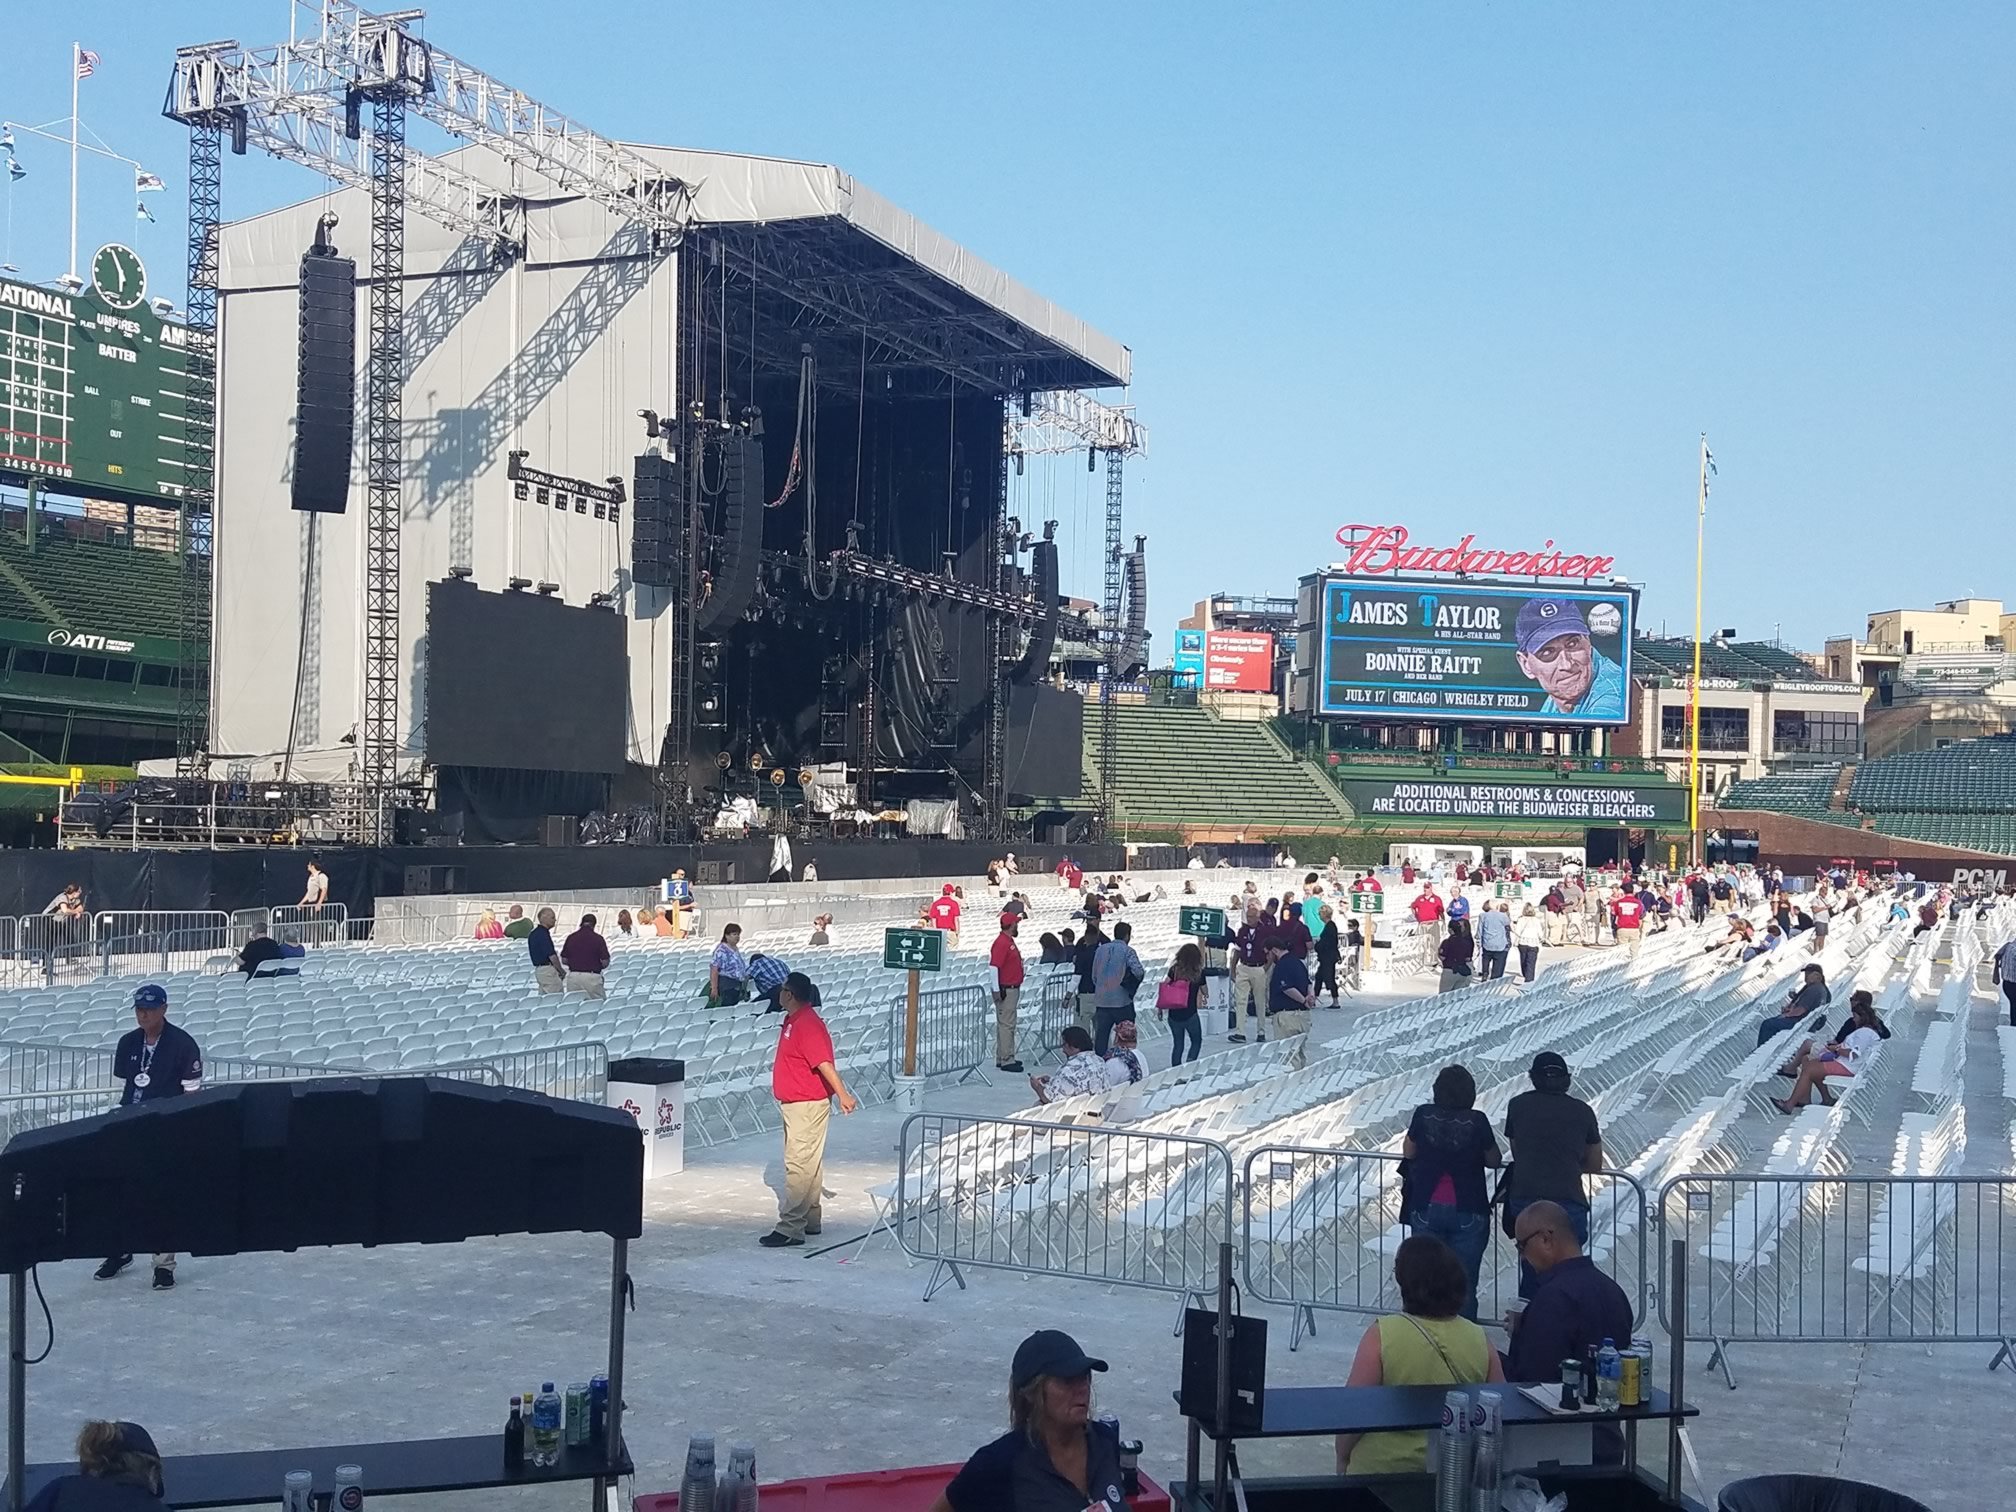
<point x="1238" y="661"/>
<point x="1476" y="651"/>
<point x="1555" y="802"/>
<point x="1188" y="662"/>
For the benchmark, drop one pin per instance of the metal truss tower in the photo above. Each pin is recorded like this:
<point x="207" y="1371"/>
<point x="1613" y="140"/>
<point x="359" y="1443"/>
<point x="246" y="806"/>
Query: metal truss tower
<point x="384" y="413"/>
<point x="1110" y="637"/>
<point x="199" y="494"/>
<point x="994" y="773"/>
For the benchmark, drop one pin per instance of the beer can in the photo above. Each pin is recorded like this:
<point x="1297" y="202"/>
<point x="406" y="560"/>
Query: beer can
<point x="1642" y="1343"/>
<point x="576" y="1430"/>
<point x="1629" y="1365"/>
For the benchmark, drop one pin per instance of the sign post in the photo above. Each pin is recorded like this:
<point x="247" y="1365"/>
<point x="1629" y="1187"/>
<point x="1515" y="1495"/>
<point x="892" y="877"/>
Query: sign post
<point x="912" y="951"/>
<point x="1368" y="906"/>
<point x="1205" y="923"/>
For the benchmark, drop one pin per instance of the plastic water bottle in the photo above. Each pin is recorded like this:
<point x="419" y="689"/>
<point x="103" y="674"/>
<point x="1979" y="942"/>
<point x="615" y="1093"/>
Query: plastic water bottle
<point x="738" y="1486"/>
<point x="1609" y="1372"/>
<point x="1452" y="1454"/>
<point x="696" y="1487"/>
<point x="546" y="1422"/>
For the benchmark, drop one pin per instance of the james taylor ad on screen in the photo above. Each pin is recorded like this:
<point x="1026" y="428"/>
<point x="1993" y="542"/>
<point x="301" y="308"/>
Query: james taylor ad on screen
<point x="1462" y="651"/>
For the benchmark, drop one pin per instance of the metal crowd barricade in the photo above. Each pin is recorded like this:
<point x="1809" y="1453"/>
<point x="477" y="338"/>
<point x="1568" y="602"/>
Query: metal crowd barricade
<point x="1319" y="1229"/>
<point x="578" y="1072"/>
<point x="955" y="1032"/>
<point x="312" y="923"/>
<point x="1117" y="1206"/>
<point x="143" y="932"/>
<point x="1037" y="1038"/>
<point x="1845" y="1260"/>
<point x="171" y="950"/>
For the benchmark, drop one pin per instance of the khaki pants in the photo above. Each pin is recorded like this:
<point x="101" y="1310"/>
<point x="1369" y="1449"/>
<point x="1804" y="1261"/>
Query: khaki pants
<point x="549" y="978"/>
<point x="1718" y="905"/>
<point x="1631" y="939"/>
<point x="951" y="938"/>
<point x="804" y="1166"/>
<point x="587" y="983"/>
<point x="1249" y="993"/>
<point x="1087" y="1001"/>
<point x="1557" y="931"/>
<point x="1005" y="1002"/>
<point x="1292" y="1025"/>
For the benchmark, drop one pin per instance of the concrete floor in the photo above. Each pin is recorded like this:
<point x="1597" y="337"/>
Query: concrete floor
<point x="828" y="1361"/>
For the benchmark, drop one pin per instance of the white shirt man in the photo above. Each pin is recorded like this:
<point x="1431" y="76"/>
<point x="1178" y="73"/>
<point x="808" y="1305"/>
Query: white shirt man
<point x="317" y="891"/>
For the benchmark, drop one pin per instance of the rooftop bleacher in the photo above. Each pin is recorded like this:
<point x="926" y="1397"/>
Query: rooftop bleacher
<point x="1968" y="777"/>
<point x="103" y="587"/>
<point x="1741" y="661"/>
<point x="1802" y="792"/>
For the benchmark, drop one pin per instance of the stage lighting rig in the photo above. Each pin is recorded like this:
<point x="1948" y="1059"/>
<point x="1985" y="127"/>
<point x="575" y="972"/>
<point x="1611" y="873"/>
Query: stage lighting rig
<point x="519" y="585"/>
<point x="461" y="573"/>
<point x="547" y="590"/>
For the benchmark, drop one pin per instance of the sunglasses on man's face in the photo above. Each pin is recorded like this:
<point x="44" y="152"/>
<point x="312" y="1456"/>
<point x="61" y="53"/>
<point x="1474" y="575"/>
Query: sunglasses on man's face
<point x="1519" y="1245"/>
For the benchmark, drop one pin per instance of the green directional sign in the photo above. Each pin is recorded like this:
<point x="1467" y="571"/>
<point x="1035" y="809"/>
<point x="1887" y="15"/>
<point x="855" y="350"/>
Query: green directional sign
<point x="1508" y="889"/>
<point x="1368" y="902"/>
<point x="1207" y="923"/>
<point x="913" y="949"/>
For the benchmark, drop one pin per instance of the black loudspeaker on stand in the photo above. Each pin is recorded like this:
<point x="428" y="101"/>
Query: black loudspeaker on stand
<point x="325" y="396"/>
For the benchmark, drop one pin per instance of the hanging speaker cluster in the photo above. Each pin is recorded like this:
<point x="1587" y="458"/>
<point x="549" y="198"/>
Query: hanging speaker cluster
<point x="325" y="393"/>
<point x="1134" y="633"/>
<point x="741" y="542"/>
<point x="1043" y="634"/>
<point x="657" y="521"/>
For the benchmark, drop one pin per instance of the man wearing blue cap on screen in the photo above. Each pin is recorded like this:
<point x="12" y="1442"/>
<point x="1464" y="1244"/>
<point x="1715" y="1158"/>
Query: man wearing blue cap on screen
<point x="1554" y="650"/>
<point x="155" y="1060"/>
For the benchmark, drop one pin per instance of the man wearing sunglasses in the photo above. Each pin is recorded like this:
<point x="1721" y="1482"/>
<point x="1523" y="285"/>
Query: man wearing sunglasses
<point x="1555" y="651"/>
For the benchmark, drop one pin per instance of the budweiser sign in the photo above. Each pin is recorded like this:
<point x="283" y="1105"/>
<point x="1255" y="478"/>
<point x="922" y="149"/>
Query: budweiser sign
<point x="1379" y="549"/>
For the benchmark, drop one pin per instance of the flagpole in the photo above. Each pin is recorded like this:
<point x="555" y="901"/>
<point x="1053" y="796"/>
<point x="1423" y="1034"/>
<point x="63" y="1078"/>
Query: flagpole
<point x="76" y="57"/>
<point x="1694" y="693"/>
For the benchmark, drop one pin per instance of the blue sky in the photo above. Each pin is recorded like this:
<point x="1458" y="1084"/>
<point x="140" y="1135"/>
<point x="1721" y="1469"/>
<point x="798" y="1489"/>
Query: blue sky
<point x="1461" y="268"/>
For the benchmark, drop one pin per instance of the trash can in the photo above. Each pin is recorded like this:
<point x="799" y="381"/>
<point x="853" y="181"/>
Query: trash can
<point x="653" y="1092"/>
<point x="1811" y="1493"/>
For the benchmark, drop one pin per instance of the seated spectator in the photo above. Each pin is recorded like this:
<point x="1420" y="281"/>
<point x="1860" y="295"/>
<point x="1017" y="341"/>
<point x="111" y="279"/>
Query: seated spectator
<point x="1808" y="999"/>
<point x="664" y="925"/>
<point x="1427" y="1343"/>
<point x="1052" y="951"/>
<point x="293" y="950"/>
<point x="516" y="925"/>
<point x="1573" y="1306"/>
<point x="623" y="925"/>
<point x="1841" y="1059"/>
<point x="1083" y="1071"/>
<point x="820" y="926"/>
<point x="1123" y="1063"/>
<point x="1856" y="999"/>
<point x="766" y="979"/>
<point x="487" y="927"/>
<point x="258" y="950"/>
<point x="586" y="956"/>
<point x="1771" y="941"/>
<point x="1053" y="1454"/>
<point x="118" y="1470"/>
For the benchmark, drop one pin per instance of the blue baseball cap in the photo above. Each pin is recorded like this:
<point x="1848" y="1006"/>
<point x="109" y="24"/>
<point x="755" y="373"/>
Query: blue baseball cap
<point x="150" y="996"/>
<point x="1544" y="619"/>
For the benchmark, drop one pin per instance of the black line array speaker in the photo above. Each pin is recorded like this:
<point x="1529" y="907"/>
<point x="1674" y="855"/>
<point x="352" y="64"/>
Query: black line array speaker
<point x="1043" y="634"/>
<point x="325" y="394"/>
<point x="657" y="521"/>
<point x="1134" y="636"/>
<point x="286" y="1165"/>
<point x="741" y="552"/>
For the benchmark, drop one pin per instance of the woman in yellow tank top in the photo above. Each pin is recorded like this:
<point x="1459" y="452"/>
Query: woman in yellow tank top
<point x="1428" y="1343"/>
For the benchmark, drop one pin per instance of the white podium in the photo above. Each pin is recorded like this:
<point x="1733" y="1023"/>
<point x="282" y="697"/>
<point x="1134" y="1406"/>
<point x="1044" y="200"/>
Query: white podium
<point x="653" y="1092"/>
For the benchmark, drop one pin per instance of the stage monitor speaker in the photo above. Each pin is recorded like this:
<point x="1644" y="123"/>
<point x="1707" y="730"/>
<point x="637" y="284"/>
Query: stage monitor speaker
<point x="325" y="395"/>
<point x="741" y="553"/>
<point x="559" y="829"/>
<point x="431" y="881"/>
<point x="1043" y="634"/>
<point x="287" y="1165"/>
<point x="657" y="521"/>
<point x="716" y="873"/>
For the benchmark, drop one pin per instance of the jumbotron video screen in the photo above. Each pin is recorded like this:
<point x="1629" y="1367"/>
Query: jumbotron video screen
<point x="1454" y="650"/>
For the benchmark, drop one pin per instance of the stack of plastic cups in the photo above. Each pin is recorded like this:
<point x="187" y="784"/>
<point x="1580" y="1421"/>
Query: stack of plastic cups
<point x="1452" y="1455"/>
<point x="1487" y="1455"/>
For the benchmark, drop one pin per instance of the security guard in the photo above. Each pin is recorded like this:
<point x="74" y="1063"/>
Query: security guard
<point x="155" y="1060"/>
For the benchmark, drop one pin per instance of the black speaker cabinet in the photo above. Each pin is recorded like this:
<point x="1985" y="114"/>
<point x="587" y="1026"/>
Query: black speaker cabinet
<point x="325" y="396"/>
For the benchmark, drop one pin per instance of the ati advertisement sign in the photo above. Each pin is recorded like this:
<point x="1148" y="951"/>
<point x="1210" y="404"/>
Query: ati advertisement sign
<point x="1224" y="661"/>
<point x="1476" y="652"/>
<point x="1550" y="802"/>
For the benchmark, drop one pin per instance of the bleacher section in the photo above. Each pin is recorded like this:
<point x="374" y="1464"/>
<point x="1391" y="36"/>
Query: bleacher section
<point x="1804" y="792"/>
<point x="1967" y="777"/>
<point x="117" y="589"/>
<point x="1742" y="661"/>
<point x="1187" y="766"/>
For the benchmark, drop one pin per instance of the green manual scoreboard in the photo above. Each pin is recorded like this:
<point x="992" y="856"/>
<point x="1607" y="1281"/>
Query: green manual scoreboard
<point x="94" y="387"/>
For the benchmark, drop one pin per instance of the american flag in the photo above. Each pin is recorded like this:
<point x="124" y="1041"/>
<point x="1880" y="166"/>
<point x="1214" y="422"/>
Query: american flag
<point x="87" y="61"/>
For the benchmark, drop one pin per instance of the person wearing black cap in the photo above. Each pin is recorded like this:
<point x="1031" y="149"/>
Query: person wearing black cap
<point x="118" y="1470"/>
<point x="1555" y="1142"/>
<point x="155" y="1060"/>
<point x="1054" y="1457"/>
<point x="803" y="1079"/>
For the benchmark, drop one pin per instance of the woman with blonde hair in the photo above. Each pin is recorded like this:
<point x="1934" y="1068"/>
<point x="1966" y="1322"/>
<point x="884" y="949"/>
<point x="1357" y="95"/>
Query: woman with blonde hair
<point x="1053" y="1453"/>
<point x="487" y="927"/>
<point x="118" y="1470"/>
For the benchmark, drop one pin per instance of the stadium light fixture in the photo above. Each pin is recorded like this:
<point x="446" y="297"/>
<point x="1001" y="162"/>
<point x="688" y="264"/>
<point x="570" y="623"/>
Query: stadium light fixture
<point x="547" y="590"/>
<point x="601" y="601"/>
<point x="461" y="573"/>
<point x="519" y="585"/>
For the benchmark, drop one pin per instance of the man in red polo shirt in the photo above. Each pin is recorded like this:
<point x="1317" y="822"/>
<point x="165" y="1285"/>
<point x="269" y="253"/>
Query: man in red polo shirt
<point x="1427" y="911"/>
<point x="1627" y="917"/>
<point x="1367" y="883"/>
<point x="802" y="1079"/>
<point x="1006" y="958"/>
<point x="944" y="915"/>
